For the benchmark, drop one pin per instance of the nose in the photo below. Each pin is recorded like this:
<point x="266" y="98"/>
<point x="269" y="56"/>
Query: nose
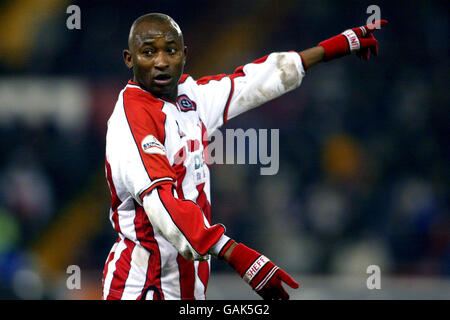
<point x="161" y="61"/>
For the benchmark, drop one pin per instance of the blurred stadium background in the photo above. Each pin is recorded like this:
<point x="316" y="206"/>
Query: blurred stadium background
<point x="364" y="149"/>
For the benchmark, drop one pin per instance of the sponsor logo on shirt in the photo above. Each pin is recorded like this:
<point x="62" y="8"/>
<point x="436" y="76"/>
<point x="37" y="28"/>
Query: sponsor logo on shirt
<point x="151" y="145"/>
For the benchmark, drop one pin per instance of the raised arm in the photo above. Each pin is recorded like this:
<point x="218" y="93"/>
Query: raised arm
<point x="280" y="72"/>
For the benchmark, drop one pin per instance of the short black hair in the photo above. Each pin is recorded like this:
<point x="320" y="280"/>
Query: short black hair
<point x="154" y="17"/>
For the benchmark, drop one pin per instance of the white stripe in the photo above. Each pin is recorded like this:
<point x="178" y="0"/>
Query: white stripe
<point x="112" y="251"/>
<point x="170" y="276"/>
<point x="266" y="279"/>
<point x="112" y="267"/>
<point x="215" y="249"/>
<point x="351" y="35"/>
<point x="198" y="285"/>
<point x="200" y="289"/>
<point x="137" y="275"/>
<point x="126" y="223"/>
<point x="363" y="30"/>
<point x="256" y="266"/>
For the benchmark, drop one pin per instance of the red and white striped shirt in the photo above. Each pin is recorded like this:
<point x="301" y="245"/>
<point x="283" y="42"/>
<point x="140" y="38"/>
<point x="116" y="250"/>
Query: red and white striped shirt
<point x="165" y="233"/>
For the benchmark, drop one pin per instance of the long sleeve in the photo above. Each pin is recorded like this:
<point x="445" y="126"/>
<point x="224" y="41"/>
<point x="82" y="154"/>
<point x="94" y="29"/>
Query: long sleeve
<point x="225" y="96"/>
<point x="182" y="223"/>
<point x="263" y="80"/>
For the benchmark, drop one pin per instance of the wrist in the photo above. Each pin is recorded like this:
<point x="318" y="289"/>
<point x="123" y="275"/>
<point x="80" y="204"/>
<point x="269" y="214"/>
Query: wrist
<point x="221" y="247"/>
<point x="253" y="267"/>
<point x="228" y="250"/>
<point x="335" y="47"/>
<point x="341" y="45"/>
<point x="241" y="258"/>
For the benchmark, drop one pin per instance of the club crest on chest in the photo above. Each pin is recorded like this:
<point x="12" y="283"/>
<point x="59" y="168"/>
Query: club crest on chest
<point x="185" y="104"/>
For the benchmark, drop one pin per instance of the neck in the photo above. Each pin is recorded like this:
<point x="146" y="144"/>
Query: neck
<point x="171" y="96"/>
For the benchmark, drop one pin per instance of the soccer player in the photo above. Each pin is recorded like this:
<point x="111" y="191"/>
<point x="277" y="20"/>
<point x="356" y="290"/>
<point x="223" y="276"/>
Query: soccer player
<point x="156" y="167"/>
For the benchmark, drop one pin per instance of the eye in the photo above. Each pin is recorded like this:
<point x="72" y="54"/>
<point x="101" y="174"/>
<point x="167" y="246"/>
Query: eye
<point x="148" y="52"/>
<point x="171" y="51"/>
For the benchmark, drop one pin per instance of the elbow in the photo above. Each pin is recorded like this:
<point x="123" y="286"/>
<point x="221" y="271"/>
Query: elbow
<point x="288" y="67"/>
<point x="172" y="234"/>
<point x="181" y="223"/>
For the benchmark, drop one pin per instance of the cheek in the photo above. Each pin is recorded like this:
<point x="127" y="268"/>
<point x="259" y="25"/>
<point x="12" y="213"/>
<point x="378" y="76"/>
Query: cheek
<point x="179" y="66"/>
<point x="142" y="63"/>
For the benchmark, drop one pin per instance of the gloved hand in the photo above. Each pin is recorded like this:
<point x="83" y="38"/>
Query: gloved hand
<point x="260" y="273"/>
<point x="357" y="40"/>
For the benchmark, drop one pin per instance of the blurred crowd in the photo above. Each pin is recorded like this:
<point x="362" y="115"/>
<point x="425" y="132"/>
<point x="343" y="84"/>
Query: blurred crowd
<point x="364" y="152"/>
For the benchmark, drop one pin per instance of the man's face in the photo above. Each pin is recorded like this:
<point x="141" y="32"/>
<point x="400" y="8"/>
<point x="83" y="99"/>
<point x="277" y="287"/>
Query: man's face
<point x="157" y="56"/>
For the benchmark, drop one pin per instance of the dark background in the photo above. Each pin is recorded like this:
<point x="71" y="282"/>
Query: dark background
<point x="364" y="149"/>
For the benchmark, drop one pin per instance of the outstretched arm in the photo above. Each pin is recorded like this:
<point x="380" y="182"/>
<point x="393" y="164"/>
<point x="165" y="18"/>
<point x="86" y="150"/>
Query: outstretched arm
<point x="280" y="72"/>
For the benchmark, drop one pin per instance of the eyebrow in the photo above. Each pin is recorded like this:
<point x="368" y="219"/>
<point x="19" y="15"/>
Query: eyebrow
<point x="151" y="40"/>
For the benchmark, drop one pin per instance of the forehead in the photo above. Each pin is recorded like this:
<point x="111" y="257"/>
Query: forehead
<point x="147" y="31"/>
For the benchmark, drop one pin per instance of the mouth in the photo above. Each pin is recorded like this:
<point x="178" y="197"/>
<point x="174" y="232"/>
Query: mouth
<point x="162" y="79"/>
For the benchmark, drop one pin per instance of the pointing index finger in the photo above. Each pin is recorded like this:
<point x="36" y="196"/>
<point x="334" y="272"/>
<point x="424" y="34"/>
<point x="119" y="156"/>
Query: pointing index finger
<point x="376" y="25"/>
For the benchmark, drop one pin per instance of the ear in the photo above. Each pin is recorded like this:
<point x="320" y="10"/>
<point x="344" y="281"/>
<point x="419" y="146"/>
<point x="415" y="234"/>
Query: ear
<point x="185" y="54"/>
<point x="127" y="58"/>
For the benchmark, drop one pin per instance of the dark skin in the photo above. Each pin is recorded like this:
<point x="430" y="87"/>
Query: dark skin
<point x="157" y="56"/>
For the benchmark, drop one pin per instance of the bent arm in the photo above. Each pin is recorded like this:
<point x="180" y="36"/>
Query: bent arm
<point x="182" y="223"/>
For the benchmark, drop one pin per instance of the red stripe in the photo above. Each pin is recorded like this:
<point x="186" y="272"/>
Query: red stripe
<point x="183" y="78"/>
<point x="207" y="79"/>
<point x="193" y="145"/>
<point x="205" y="144"/>
<point x="188" y="218"/>
<point x="203" y="202"/>
<point x="120" y="275"/>
<point x="146" y="237"/>
<point x="105" y="269"/>
<point x="115" y="201"/>
<point x="203" y="273"/>
<point x="187" y="277"/>
<point x="180" y="171"/>
<point x="144" y="115"/>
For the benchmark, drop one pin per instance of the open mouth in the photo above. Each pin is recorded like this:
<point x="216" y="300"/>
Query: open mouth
<point x="162" y="79"/>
